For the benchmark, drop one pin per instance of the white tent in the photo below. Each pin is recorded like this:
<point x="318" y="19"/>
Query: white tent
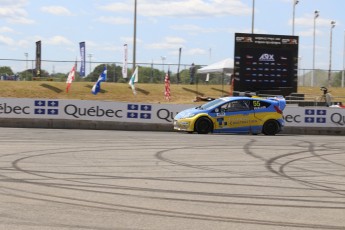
<point x="224" y="66"/>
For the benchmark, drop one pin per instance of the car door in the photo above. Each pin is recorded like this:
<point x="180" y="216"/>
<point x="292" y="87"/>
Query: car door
<point x="233" y="116"/>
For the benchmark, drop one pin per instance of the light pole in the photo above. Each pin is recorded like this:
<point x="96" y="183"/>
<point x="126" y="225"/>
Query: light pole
<point x="90" y="57"/>
<point x="253" y="12"/>
<point x="316" y="15"/>
<point x="134" y="34"/>
<point x="342" y="75"/>
<point x="163" y="59"/>
<point x="26" y="70"/>
<point x="330" y="54"/>
<point x="295" y="2"/>
<point x="299" y="69"/>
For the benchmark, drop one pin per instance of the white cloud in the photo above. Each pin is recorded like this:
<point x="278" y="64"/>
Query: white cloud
<point x="6" y="41"/>
<point x="6" y="29"/>
<point x="14" y="12"/>
<point x="194" y="29"/>
<point x="114" y="20"/>
<point x="168" y="43"/>
<point x="308" y="21"/>
<point x="196" y="51"/>
<point x="188" y="8"/>
<point x="58" y="40"/>
<point x="56" y="10"/>
<point x="129" y="40"/>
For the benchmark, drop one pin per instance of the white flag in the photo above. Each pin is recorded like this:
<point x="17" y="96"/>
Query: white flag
<point x="207" y="77"/>
<point x="134" y="79"/>
<point x="125" y="61"/>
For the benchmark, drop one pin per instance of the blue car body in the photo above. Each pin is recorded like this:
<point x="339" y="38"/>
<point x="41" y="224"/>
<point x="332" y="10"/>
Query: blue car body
<point x="234" y="115"/>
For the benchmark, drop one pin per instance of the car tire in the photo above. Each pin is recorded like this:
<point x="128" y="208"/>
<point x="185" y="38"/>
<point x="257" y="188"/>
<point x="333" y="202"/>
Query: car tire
<point x="203" y="125"/>
<point x="271" y="127"/>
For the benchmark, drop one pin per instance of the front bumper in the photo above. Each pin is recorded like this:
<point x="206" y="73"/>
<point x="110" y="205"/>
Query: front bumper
<point x="183" y="125"/>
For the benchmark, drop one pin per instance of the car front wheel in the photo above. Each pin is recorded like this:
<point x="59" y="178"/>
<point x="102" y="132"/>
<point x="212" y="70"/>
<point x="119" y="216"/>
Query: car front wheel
<point x="203" y="125"/>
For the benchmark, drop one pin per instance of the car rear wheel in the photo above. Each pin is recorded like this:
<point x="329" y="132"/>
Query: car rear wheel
<point x="203" y="125"/>
<point x="271" y="127"/>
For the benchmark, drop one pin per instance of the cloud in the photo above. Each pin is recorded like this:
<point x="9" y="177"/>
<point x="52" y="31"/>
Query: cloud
<point x="168" y="43"/>
<point x="56" y="10"/>
<point x="196" y="51"/>
<point x="13" y="11"/>
<point x="6" y="29"/>
<point x="114" y="20"/>
<point x="308" y="21"/>
<point x="6" y="41"/>
<point x="194" y="29"/>
<point x="116" y="7"/>
<point x="187" y="8"/>
<point x="58" y="40"/>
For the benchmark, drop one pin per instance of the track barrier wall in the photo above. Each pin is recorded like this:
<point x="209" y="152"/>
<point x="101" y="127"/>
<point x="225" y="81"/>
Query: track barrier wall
<point x="110" y="115"/>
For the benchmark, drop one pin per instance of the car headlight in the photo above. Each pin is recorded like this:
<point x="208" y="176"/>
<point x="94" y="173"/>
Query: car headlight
<point x="188" y="115"/>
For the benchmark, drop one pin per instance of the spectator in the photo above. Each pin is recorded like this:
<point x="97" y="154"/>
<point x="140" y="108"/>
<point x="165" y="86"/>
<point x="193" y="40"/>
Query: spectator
<point x="192" y="73"/>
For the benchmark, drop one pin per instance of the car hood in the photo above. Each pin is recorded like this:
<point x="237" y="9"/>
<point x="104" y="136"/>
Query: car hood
<point x="187" y="113"/>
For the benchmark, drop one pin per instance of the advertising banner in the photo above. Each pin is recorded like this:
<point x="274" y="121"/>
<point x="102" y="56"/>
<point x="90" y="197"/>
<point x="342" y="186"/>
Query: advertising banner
<point x="125" y="61"/>
<point x="146" y="112"/>
<point x="82" y="59"/>
<point x="38" y="58"/>
<point x="89" y="110"/>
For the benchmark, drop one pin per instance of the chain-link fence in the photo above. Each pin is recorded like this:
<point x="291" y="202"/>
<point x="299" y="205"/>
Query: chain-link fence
<point x="24" y="69"/>
<point x="320" y="77"/>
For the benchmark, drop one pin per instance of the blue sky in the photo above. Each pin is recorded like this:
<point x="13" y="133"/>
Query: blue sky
<point x="204" y="29"/>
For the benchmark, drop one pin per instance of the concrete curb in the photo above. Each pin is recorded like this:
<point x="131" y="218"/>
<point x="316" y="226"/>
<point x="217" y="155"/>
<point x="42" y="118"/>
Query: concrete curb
<point x="107" y="125"/>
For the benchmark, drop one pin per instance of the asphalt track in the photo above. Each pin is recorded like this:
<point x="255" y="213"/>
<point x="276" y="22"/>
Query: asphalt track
<point x="92" y="179"/>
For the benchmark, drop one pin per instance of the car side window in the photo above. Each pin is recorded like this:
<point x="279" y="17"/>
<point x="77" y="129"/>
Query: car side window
<point x="239" y="105"/>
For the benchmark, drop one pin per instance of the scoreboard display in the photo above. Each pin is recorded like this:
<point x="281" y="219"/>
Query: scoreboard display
<point x="266" y="63"/>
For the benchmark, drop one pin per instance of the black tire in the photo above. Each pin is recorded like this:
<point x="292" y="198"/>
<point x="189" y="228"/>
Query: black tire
<point x="203" y="125"/>
<point x="271" y="127"/>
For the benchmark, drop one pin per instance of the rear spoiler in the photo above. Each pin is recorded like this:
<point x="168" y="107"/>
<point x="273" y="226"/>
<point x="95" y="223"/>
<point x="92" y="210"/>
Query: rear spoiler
<point x="281" y="101"/>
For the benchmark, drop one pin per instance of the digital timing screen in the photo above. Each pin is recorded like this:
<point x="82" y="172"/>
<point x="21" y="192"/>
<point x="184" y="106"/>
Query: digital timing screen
<point x="265" y="62"/>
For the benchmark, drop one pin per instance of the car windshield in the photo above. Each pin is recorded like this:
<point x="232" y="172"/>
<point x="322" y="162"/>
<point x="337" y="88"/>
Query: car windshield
<point x="211" y="104"/>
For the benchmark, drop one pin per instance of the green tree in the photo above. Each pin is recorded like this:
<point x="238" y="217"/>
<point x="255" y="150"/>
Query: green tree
<point x="5" y="70"/>
<point x="336" y="82"/>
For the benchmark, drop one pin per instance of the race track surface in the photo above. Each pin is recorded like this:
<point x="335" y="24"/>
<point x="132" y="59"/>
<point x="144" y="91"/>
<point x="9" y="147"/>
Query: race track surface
<point x="93" y="179"/>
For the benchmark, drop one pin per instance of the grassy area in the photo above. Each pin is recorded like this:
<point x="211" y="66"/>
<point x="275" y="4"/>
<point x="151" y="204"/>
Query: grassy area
<point x="153" y="93"/>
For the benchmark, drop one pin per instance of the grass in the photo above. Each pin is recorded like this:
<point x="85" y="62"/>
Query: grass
<point x="153" y="93"/>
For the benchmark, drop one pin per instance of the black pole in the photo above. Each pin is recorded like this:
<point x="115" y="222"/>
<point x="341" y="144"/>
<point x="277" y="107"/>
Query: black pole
<point x="114" y="72"/>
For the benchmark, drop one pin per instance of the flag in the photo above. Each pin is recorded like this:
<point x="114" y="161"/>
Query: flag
<point x="125" y="61"/>
<point x="38" y="58"/>
<point x="82" y="59"/>
<point x="167" y="87"/>
<point x="102" y="77"/>
<point x="70" y="78"/>
<point x="134" y="79"/>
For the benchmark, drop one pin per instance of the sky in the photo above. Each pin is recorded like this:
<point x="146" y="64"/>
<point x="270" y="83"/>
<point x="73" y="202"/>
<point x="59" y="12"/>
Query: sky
<point x="204" y="29"/>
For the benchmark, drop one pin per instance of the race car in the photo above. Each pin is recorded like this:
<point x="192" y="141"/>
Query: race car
<point x="234" y="115"/>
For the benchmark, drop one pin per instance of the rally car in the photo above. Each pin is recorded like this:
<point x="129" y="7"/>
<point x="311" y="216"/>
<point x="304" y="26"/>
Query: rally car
<point x="234" y="115"/>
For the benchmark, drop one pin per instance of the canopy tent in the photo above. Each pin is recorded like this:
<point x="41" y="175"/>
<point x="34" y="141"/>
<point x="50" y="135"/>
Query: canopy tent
<point x="224" y="66"/>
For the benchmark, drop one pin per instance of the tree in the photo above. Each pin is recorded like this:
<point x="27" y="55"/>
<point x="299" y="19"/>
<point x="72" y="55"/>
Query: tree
<point x="6" y="70"/>
<point x="336" y="82"/>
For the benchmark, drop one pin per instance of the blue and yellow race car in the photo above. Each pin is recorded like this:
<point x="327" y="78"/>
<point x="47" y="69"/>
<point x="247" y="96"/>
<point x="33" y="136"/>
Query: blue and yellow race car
<point x="234" y="115"/>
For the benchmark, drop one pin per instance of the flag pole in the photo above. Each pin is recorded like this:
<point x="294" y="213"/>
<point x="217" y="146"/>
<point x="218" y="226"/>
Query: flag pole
<point x="178" y="67"/>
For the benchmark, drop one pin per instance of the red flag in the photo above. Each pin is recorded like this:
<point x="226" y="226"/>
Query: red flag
<point x="70" y="78"/>
<point x="167" y="87"/>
